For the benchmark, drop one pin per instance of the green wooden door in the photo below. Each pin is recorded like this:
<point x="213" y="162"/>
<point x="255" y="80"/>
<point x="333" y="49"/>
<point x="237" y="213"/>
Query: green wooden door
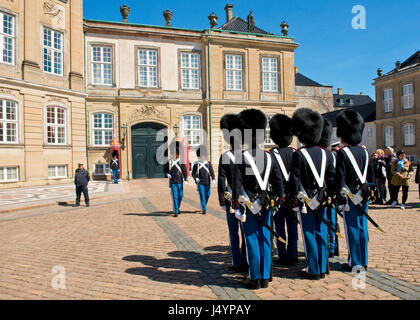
<point x="144" y="148"/>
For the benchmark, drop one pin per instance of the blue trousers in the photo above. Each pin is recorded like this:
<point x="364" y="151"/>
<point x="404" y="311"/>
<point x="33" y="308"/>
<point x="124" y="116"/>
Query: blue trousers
<point x="177" y="193"/>
<point x="204" y="193"/>
<point x="284" y="218"/>
<point x="238" y="251"/>
<point x="115" y="174"/>
<point x="315" y="241"/>
<point x="331" y="218"/>
<point x="357" y="236"/>
<point x="258" y="245"/>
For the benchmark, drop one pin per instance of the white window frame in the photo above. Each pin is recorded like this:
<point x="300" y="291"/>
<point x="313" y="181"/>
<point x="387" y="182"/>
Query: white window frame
<point x="189" y="70"/>
<point x="51" y="50"/>
<point x="270" y="85"/>
<point x="267" y="139"/>
<point x="412" y="158"/>
<point x="102" y="129"/>
<point x="102" y="63"/>
<point x="6" y="121"/>
<point x="236" y="73"/>
<point x="5" y="179"/>
<point x="388" y="100"/>
<point x="56" y="176"/>
<point x="408" y="97"/>
<point x="106" y="170"/>
<point x="56" y="125"/>
<point x="5" y="35"/>
<point x="409" y="138"/>
<point x="387" y="143"/>
<point x="192" y="130"/>
<point x="149" y="68"/>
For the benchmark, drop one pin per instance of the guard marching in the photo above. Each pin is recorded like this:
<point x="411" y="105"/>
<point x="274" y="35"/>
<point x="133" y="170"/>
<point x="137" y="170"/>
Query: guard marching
<point x="229" y="124"/>
<point x="176" y="171"/>
<point x="282" y="135"/>
<point x="203" y="175"/>
<point x="312" y="174"/>
<point x="253" y="172"/>
<point x="354" y="182"/>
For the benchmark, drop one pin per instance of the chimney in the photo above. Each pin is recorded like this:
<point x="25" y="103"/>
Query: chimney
<point x="340" y="91"/>
<point x="296" y="70"/>
<point x="361" y="93"/>
<point x="229" y="12"/>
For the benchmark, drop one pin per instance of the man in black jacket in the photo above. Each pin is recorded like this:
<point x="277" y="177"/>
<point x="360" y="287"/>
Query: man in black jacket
<point x="81" y="180"/>
<point x="203" y="175"/>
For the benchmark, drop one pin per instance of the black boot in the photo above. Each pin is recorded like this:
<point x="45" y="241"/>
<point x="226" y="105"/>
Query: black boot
<point x="264" y="283"/>
<point x="204" y="212"/>
<point x="251" y="284"/>
<point x="346" y="267"/>
<point x="304" y="274"/>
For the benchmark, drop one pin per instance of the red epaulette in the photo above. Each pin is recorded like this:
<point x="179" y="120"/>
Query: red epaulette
<point x="293" y="148"/>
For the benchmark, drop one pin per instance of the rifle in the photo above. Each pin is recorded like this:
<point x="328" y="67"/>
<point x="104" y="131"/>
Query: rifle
<point x="314" y="204"/>
<point x="355" y="198"/>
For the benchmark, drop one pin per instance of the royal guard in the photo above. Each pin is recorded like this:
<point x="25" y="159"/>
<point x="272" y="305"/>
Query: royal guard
<point x="176" y="171"/>
<point x="324" y="143"/>
<point x="312" y="173"/>
<point x="254" y="171"/>
<point x="229" y="124"/>
<point x="354" y="181"/>
<point x="203" y="175"/>
<point x="282" y="135"/>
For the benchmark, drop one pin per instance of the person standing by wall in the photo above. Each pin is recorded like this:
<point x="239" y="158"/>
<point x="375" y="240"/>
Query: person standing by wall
<point x="389" y="160"/>
<point x="81" y="180"/>
<point x="379" y="167"/>
<point x="401" y="174"/>
<point x="115" y="167"/>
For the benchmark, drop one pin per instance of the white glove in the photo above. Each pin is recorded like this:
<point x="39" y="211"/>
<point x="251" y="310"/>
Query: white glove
<point x="238" y="214"/>
<point x="169" y="176"/>
<point x="223" y="208"/>
<point x="197" y="180"/>
<point x="296" y="209"/>
<point x="186" y="181"/>
<point x="214" y="181"/>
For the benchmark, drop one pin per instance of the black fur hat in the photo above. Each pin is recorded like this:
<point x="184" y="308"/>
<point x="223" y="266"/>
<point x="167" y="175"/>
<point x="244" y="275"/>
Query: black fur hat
<point x="350" y="125"/>
<point x="325" y="140"/>
<point x="255" y="120"/>
<point x="229" y="122"/>
<point x="307" y="126"/>
<point x="281" y="130"/>
<point x="201" y="151"/>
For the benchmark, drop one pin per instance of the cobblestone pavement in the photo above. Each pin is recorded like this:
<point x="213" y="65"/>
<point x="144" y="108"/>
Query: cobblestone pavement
<point x="128" y="246"/>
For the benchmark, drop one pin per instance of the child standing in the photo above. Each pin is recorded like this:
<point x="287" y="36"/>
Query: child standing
<point x="202" y="171"/>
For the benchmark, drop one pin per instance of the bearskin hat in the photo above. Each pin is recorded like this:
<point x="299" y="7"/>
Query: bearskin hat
<point x="281" y="130"/>
<point x="307" y="126"/>
<point x="255" y="121"/>
<point x="228" y="123"/>
<point x="350" y="125"/>
<point x="201" y="151"/>
<point x="326" y="134"/>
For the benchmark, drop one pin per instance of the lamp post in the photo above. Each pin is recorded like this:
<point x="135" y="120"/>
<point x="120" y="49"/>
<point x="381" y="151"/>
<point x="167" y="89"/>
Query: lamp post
<point x="176" y="130"/>
<point x="124" y="134"/>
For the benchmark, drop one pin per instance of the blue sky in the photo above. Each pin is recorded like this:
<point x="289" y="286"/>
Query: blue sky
<point x="330" y="51"/>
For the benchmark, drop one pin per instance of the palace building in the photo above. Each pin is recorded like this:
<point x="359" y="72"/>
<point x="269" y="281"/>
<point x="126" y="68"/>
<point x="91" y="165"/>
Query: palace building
<point x="69" y="86"/>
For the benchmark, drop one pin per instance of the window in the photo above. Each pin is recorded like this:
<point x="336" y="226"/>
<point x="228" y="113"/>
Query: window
<point x="409" y="137"/>
<point x="7" y="38"/>
<point x="412" y="158"/>
<point x="148" y="68"/>
<point x="351" y="102"/>
<point x="190" y="73"/>
<point x="103" y="129"/>
<point x="101" y="65"/>
<point x="9" y="174"/>
<point x="408" y="97"/>
<point x="101" y="169"/>
<point x="267" y="140"/>
<point x="388" y="102"/>
<point x="192" y="129"/>
<point x="53" y="52"/>
<point x="234" y="72"/>
<point x="57" y="171"/>
<point x="370" y="132"/>
<point x="56" y="125"/>
<point x="322" y="91"/>
<point x="8" y="121"/>
<point x="389" y="136"/>
<point x="270" y="74"/>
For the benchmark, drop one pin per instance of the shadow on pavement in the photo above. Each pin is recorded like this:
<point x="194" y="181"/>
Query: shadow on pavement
<point x="160" y="213"/>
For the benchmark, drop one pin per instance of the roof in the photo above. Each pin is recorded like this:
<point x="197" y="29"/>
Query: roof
<point x="239" y="24"/>
<point x="358" y="100"/>
<point x="301" y="80"/>
<point x="367" y="111"/>
<point x="411" y="62"/>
